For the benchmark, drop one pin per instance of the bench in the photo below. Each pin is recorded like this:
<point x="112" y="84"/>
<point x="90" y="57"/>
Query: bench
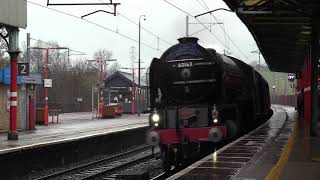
<point x="54" y="112"/>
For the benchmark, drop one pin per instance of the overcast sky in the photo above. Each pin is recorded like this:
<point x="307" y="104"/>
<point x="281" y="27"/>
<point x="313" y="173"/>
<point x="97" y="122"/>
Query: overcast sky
<point x="162" y="19"/>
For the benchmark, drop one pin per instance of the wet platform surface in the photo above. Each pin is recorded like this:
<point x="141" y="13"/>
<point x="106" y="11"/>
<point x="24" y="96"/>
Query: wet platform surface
<point x="249" y="157"/>
<point x="304" y="160"/>
<point x="71" y="126"/>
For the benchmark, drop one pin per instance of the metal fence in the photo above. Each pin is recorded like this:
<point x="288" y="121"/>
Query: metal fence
<point x="288" y="100"/>
<point x="64" y="107"/>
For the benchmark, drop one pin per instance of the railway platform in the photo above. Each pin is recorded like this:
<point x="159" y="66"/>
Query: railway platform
<point x="281" y="148"/>
<point x="75" y="138"/>
<point x="72" y="126"/>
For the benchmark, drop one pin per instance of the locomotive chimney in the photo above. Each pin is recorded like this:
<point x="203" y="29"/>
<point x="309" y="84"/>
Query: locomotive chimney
<point x="193" y="40"/>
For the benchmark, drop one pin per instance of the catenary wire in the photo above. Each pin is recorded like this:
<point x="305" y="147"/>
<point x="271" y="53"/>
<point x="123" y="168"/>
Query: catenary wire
<point x="93" y="23"/>
<point x="132" y="21"/>
<point x="201" y="24"/>
<point x="216" y="19"/>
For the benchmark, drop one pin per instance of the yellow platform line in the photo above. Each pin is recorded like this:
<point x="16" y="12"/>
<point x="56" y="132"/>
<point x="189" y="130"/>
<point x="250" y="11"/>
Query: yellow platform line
<point x="282" y="162"/>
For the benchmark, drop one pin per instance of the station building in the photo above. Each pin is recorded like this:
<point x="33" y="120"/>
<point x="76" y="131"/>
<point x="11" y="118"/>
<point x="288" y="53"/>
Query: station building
<point x="26" y="100"/>
<point x="122" y="87"/>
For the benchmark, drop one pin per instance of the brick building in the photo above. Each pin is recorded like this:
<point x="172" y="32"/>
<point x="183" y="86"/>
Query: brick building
<point x="120" y="88"/>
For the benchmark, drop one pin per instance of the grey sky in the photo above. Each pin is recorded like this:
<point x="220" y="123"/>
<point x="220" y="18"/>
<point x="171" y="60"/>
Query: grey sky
<point x="162" y="20"/>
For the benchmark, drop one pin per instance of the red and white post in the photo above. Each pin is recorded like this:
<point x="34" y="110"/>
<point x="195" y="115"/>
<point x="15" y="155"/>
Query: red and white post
<point x="133" y="93"/>
<point x="46" y="93"/>
<point x="13" y="52"/>
<point x="12" y="134"/>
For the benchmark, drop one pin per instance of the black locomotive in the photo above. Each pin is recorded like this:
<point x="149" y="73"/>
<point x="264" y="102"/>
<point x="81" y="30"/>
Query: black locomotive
<point x="199" y="96"/>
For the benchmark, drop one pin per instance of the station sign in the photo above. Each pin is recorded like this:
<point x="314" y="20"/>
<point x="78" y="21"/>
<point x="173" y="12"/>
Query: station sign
<point x="95" y="89"/>
<point x="47" y="83"/>
<point x="33" y="78"/>
<point x="79" y="99"/>
<point x="291" y="77"/>
<point x="23" y="69"/>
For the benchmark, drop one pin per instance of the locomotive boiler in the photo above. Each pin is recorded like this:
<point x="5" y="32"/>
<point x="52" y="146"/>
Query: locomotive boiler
<point x="200" y="97"/>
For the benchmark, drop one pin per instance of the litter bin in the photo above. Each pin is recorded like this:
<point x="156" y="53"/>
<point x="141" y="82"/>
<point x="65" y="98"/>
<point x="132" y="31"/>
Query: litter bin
<point x="40" y="115"/>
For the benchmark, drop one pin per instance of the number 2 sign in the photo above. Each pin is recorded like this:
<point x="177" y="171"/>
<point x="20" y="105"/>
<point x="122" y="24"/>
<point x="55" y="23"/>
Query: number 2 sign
<point x="23" y="69"/>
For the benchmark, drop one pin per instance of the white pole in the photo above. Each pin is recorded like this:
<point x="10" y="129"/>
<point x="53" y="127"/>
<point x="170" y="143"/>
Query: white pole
<point x="92" y="102"/>
<point x="98" y="107"/>
<point x="187" y="26"/>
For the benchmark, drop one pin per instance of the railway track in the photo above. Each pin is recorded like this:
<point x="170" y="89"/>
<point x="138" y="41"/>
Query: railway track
<point x="103" y="167"/>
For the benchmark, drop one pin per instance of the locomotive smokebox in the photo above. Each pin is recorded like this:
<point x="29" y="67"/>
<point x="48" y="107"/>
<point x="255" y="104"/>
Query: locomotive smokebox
<point x="187" y="73"/>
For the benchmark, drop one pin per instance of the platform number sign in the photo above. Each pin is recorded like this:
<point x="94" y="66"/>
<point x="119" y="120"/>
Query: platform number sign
<point x="23" y="69"/>
<point x="291" y="77"/>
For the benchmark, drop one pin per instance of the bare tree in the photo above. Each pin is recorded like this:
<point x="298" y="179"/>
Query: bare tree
<point x="112" y="69"/>
<point x="105" y="55"/>
<point x="4" y="61"/>
<point x="102" y="54"/>
<point x="71" y="79"/>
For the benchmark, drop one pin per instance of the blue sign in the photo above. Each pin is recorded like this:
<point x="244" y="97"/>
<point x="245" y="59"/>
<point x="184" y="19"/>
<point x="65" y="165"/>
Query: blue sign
<point x="7" y="76"/>
<point x="33" y="78"/>
<point x="1" y="76"/>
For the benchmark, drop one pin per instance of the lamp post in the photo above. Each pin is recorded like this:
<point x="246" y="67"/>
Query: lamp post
<point x="148" y="87"/>
<point x="139" y="62"/>
<point x="273" y="95"/>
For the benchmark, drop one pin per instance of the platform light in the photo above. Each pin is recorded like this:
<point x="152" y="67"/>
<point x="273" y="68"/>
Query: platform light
<point x="156" y="124"/>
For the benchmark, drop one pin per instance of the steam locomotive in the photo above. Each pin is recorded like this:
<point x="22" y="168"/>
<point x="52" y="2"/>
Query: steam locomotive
<point x="198" y="96"/>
